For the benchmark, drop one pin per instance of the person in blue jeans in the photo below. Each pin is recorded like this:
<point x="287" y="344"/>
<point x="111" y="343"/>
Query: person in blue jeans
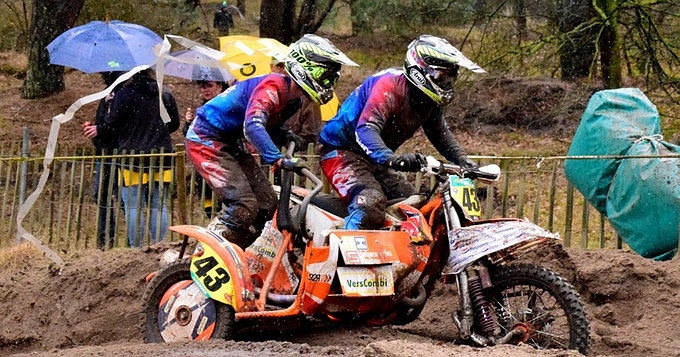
<point x="134" y="118"/>
<point x="105" y="177"/>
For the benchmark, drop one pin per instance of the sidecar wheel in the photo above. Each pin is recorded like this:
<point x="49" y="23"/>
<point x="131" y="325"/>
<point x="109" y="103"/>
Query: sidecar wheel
<point x="177" y="310"/>
<point x="541" y="303"/>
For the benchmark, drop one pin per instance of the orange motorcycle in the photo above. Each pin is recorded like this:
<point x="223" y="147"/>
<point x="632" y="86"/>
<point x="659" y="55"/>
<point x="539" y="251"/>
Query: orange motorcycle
<point x="303" y="264"/>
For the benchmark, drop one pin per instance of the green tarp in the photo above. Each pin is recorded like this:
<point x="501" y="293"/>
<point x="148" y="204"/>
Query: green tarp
<point x="640" y="196"/>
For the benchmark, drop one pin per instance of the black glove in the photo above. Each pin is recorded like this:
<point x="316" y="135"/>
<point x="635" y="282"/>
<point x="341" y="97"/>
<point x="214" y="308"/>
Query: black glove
<point x="465" y="163"/>
<point x="292" y="137"/>
<point x="407" y="162"/>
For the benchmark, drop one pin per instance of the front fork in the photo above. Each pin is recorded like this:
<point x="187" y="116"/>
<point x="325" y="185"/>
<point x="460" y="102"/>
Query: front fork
<point x="470" y="283"/>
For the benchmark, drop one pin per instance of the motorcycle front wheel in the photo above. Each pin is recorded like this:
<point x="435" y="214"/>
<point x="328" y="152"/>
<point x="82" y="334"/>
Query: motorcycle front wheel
<point x="177" y="310"/>
<point x="541" y="303"/>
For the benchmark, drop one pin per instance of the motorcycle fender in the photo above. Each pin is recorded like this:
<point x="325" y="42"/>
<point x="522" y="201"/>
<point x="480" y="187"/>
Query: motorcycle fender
<point x="469" y="244"/>
<point x="220" y="270"/>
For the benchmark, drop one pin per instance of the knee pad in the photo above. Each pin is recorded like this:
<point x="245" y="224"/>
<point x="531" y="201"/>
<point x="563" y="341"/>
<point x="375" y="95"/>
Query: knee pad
<point x="368" y="207"/>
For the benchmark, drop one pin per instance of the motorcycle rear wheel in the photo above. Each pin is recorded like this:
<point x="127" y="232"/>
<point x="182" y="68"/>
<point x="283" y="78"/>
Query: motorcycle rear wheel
<point x="177" y="310"/>
<point x="542" y="302"/>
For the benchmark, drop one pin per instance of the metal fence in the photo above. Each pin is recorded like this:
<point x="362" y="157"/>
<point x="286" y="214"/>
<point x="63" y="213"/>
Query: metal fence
<point x="65" y="216"/>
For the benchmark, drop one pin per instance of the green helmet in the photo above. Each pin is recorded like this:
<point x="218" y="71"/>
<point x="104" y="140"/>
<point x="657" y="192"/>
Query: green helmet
<point x="432" y="65"/>
<point x="313" y="63"/>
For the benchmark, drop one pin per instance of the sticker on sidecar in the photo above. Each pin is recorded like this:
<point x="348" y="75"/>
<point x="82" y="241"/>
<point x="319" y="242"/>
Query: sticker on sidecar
<point x="373" y="248"/>
<point x="366" y="281"/>
<point x="210" y="273"/>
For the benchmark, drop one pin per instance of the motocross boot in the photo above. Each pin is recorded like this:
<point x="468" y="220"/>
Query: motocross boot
<point x="242" y="238"/>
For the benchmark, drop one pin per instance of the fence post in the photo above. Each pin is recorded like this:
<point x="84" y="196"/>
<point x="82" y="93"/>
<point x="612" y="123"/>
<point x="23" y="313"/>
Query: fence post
<point x="25" y="152"/>
<point x="181" y="183"/>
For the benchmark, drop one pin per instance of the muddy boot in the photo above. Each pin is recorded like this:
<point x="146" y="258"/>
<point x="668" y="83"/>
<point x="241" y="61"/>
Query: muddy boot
<point x="241" y="238"/>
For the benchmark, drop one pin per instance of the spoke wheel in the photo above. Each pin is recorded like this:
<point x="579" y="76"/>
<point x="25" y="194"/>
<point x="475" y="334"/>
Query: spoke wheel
<point x="541" y="304"/>
<point x="177" y="310"/>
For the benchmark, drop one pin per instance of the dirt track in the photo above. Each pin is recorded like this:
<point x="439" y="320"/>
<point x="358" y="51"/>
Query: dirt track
<point x="93" y="309"/>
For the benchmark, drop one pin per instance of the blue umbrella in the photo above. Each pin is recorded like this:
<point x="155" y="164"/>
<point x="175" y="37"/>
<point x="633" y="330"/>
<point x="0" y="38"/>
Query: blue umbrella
<point x="104" y="46"/>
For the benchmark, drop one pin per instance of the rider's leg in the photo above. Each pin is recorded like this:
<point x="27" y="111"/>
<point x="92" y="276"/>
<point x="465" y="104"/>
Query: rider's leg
<point x="231" y="186"/>
<point x="394" y="184"/>
<point x="352" y="177"/>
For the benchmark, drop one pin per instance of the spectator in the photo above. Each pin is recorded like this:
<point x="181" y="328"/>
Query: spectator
<point x="223" y="20"/>
<point x="257" y="108"/>
<point x="209" y="89"/>
<point x="135" y="119"/>
<point x="104" y="175"/>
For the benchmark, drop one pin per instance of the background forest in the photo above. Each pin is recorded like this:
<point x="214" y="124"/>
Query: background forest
<point x="602" y="43"/>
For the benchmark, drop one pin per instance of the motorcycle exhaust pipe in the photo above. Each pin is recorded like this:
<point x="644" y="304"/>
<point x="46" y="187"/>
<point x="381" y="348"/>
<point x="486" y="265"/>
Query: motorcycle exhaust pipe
<point x="277" y="299"/>
<point x="417" y="301"/>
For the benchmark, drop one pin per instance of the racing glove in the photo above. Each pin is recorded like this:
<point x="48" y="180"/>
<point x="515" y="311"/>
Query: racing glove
<point x="407" y="162"/>
<point x="465" y="163"/>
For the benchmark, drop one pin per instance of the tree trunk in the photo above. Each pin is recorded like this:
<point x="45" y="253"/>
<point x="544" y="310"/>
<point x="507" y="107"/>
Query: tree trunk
<point x="48" y="20"/>
<point x="270" y="19"/>
<point x="306" y="17"/>
<point x="610" y="45"/>
<point x="521" y="18"/>
<point x="578" y="49"/>
<point x="241" y="6"/>
<point x="288" y="22"/>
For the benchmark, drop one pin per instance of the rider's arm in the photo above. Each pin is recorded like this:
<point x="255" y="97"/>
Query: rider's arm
<point x="437" y="131"/>
<point x="265" y="98"/>
<point x="383" y="102"/>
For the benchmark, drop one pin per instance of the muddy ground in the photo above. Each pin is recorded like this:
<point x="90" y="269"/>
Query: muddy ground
<point x="93" y="308"/>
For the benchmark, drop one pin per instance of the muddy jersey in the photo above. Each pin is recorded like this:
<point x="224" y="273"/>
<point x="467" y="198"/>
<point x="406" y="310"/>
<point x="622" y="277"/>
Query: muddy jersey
<point x="380" y="115"/>
<point x="255" y="108"/>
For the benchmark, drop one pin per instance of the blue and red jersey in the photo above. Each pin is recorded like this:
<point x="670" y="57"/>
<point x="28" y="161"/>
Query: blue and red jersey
<point x="381" y="114"/>
<point x="255" y="109"/>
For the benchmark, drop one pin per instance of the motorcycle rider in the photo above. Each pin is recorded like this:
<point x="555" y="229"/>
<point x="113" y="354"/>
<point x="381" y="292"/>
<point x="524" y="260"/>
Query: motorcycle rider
<point x="257" y="108"/>
<point x="359" y="143"/>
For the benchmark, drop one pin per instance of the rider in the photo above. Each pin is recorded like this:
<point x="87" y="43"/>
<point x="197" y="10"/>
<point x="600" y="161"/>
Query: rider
<point x="379" y="116"/>
<point x="257" y="108"/>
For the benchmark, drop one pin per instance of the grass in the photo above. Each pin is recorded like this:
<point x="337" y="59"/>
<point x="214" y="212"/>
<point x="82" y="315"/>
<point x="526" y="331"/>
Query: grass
<point x="20" y="256"/>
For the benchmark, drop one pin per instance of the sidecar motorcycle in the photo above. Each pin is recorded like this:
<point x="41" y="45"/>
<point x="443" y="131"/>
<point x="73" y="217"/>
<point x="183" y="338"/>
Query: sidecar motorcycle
<point x="304" y="265"/>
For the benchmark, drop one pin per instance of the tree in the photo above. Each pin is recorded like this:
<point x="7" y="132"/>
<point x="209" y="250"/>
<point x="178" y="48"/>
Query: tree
<point x="577" y="50"/>
<point x="278" y="21"/>
<point x="49" y="18"/>
<point x="609" y="43"/>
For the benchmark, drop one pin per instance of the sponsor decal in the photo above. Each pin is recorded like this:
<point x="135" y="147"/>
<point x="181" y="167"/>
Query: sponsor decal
<point x="360" y="243"/>
<point x="416" y="75"/>
<point x="366" y="281"/>
<point x="299" y="72"/>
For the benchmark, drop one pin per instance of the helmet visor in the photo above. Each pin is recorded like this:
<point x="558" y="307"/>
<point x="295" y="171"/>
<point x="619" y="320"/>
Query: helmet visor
<point x="444" y="78"/>
<point x="326" y="77"/>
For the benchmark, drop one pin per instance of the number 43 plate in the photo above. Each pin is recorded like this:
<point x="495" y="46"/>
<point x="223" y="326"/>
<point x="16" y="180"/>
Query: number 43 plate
<point x="463" y="191"/>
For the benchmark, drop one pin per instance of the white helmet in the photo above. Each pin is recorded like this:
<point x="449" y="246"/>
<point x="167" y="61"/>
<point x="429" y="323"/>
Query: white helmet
<point x="432" y="65"/>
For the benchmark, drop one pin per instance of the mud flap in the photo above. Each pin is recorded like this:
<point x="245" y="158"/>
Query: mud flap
<point x="322" y="263"/>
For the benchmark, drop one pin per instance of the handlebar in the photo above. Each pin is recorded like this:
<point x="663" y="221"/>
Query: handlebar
<point x="284" y="220"/>
<point x="486" y="174"/>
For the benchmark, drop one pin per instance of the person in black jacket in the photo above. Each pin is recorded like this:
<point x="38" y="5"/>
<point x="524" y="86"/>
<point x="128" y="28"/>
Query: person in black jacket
<point x="223" y="20"/>
<point x="135" y="119"/>
<point x="104" y="176"/>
